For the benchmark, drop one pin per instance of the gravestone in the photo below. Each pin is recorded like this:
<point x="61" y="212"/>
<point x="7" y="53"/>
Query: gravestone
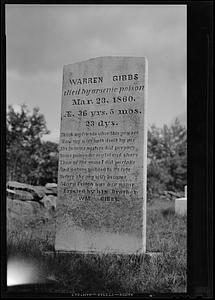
<point x="101" y="204"/>
<point x="185" y="191"/>
<point x="181" y="206"/>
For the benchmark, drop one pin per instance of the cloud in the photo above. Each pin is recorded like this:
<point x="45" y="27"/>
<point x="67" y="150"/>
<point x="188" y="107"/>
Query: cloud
<point x="43" y="38"/>
<point x="43" y="90"/>
<point x="184" y="93"/>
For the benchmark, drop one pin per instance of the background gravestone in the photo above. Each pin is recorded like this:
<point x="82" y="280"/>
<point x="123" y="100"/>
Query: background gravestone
<point x="181" y="204"/>
<point x="101" y="203"/>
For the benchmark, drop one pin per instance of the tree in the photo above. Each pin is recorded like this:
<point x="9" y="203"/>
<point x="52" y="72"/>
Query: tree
<point x="167" y="155"/>
<point x="24" y="131"/>
<point x="47" y="162"/>
<point x="176" y="140"/>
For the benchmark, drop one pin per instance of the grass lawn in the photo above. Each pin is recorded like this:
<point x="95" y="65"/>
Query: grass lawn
<point x="105" y="274"/>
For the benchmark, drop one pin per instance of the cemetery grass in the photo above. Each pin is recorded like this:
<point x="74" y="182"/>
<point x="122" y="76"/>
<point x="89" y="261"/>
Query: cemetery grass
<point x="105" y="274"/>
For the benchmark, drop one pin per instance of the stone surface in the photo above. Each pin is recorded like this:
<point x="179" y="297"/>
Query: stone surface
<point x="40" y="191"/>
<point x="21" y="208"/>
<point x="51" y="188"/>
<point x="181" y="206"/>
<point x="101" y="203"/>
<point x="25" y="191"/>
<point x="49" y="201"/>
<point x="28" y="211"/>
<point x="10" y="193"/>
<point x="19" y="195"/>
<point x="185" y="191"/>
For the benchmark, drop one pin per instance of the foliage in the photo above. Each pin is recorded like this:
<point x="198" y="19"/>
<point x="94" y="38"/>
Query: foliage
<point x="47" y="158"/>
<point x="25" y="150"/>
<point x="167" y="156"/>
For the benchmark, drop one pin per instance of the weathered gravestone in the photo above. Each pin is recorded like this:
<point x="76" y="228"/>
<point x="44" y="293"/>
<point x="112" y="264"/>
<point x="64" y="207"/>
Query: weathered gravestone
<point x="181" y="204"/>
<point x="102" y="158"/>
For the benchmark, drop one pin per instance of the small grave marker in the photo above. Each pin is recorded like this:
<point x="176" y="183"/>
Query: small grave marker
<point x="181" y="204"/>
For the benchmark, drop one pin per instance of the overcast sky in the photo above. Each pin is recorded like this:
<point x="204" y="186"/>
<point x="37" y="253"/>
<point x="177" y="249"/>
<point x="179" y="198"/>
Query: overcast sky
<point x="40" y="39"/>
